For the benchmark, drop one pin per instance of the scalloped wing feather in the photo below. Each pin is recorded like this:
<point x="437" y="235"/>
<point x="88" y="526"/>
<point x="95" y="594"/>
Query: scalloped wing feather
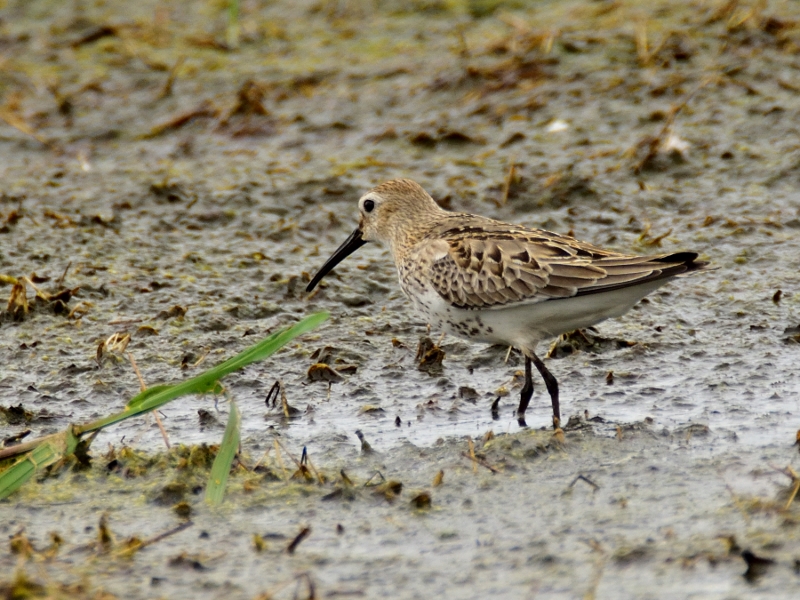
<point x="492" y="265"/>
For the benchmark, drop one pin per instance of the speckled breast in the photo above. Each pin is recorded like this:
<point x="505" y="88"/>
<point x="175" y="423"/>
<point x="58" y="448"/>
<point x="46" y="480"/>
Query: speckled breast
<point x="439" y="313"/>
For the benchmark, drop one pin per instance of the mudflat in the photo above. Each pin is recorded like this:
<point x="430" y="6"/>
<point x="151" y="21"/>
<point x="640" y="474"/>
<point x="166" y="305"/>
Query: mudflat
<point x="176" y="171"/>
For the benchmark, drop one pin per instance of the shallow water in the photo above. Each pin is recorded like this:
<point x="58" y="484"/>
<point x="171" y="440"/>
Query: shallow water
<point x="224" y="215"/>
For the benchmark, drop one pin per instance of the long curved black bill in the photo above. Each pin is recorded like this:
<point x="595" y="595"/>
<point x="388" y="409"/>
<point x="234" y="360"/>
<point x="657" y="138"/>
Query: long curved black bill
<point x="351" y="244"/>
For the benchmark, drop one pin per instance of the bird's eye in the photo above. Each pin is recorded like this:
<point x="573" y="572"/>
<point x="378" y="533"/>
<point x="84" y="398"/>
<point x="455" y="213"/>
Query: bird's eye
<point x="369" y="205"/>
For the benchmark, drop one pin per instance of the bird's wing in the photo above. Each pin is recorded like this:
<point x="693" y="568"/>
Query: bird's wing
<point x="494" y="265"/>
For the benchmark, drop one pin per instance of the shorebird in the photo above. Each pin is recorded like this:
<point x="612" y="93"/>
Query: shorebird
<point x="498" y="283"/>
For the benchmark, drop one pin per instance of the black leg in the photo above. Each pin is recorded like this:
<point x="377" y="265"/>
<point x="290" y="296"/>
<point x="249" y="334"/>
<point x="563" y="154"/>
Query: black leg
<point x="496" y="409"/>
<point x="526" y="393"/>
<point x="552" y="388"/>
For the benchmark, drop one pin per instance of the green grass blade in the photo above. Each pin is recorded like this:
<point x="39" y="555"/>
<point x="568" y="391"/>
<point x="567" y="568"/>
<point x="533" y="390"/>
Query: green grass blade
<point x="54" y="448"/>
<point x="158" y="396"/>
<point x="268" y="346"/>
<point x="12" y="478"/>
<point x="57" y="446"/>
<point x="215" y="491"/>
<point x="139" y="398"/>
<point x="232" y="35"/>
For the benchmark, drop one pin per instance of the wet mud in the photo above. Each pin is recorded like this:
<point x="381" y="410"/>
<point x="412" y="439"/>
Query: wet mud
<point x="161" y="178"/>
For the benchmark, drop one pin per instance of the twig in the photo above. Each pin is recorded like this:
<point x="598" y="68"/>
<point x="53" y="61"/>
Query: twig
<point x="80" y="309"/>
<point x="297" y="578"/>
<point x="143" y="387"/>
<point x="125" y="321"/>
<point x="472" y="456"/>
<point x="304" y="533"/>
<point x="25" y="446"/>
<point x="509" y="180"/>
<point x="142" y="384"/>
<point x="60" y="281"/>
<point x="368" y="481"/>
<point x="297" y="463"/>
<point x="791" y="474"/>
<point x="585" y="479"/>
<point x="738" y="503"/>
<point x="19" y="124"/>
<point x="597" y="573"/>
<point x="793" y="494"/>
<point x="173" y="74"/>
<point x="279" y="458"/>
<point x="314" y="470"/>
<point x="656" y="142"/>
<point x="166" y="534"/>
<point x="273" y="394"/>
<point x="153" y="540"/>
<point x="640" y="33"/>
<point x="262" y="459"/>
<point x="479" y="461"/>
<point x="39" y="293"/>
<point x="203" y="356"/>
<point x="508" y="354"/>
<point x="463" y="48"/>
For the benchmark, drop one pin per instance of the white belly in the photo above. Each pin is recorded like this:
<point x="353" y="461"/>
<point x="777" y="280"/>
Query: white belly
<point x="524" y="325"/>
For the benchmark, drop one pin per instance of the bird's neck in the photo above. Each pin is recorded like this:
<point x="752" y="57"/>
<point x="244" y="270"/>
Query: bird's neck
<point x="407" y="235"/>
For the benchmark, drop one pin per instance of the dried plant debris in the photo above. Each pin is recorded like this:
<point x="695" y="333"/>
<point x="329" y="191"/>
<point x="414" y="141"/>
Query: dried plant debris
<point x="17" y="415"/>
<point x="176" y="312"/>
<point x="429" y="355"/>
<point x="511" y="73"/>
<point x="113" y="346"/>
<point x="249" y="116"/>
<point x="467" y="393"/>
<point x="757" y="566"/>
<point x="666" y="147"/>
<point x="278" y="392"/>
<point x="426" y="139"/>
<point x="586" y="340"/>
<point x="298" y="539"/>
<point x="422" y="501"/>
<point x="388" y="489"/>
<point x="592" y="117"/>
<point x="342" y="358"/>
<point x="205" y="110"/>
<point x="323" y="372"/>
<point x="185" y="560"/>
<point x="18" y="306"/>
<point x="793" y="334"/>
<point x="365" y="446"/>
<point x="23" y="587"/>
<point x="16" y="438"/>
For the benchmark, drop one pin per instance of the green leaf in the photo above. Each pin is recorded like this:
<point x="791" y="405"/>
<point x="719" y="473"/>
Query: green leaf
<point x="52" y="449"/>
<point x="215" y="491"/>
<point x="158" y="396"/>
<point x="137" y="400"/>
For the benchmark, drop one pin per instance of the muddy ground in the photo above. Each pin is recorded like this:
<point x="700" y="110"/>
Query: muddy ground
<point x="150" y="160"/>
